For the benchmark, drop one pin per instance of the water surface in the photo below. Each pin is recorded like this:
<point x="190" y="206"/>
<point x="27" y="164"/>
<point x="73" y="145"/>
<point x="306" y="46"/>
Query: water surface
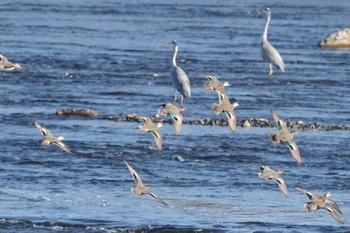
<point x="114" y="57"/>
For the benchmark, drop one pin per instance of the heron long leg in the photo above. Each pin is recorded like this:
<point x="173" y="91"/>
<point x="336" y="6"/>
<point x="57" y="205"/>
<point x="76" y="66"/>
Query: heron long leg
<point x="182" y="100"/>
<point x="175" y="96"/>
<point x="270" y="69"/>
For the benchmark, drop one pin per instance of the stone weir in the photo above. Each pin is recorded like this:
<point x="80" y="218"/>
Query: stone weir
<point x="250" y="122"/>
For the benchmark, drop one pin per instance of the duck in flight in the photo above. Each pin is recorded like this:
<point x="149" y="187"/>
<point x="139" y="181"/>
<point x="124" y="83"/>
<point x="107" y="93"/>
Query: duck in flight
<point x="141" y="189"/>
<point x="50" y="139"/>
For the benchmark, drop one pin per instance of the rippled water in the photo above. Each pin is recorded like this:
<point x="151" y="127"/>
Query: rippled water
<point x="113" y="57"/>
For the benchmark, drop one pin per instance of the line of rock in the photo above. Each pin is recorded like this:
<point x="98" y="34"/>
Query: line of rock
<point x="251" y="122"/>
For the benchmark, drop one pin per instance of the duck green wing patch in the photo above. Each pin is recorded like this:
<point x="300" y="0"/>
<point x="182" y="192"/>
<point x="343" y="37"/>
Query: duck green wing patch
<point x="279" y="125"/>
<point x="290" y="145"/>
<point x="174" y="116"/>
<point x="135" y="178"/>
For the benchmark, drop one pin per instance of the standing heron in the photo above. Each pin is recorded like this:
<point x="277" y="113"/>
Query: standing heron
<point x="269" y="53"/>
<point x="178" y="77"/>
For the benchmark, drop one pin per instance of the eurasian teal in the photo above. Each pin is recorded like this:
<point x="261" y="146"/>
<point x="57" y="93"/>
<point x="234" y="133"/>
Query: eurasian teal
<point x="151" y="127"/>
<point x="175" y="113"/>
<point x="140" y="188"/>
<point x="6" y="65"/>
<point x="215" y="85"/>
<point x="225" y="106"/>
<point x="321" y="202"/>
<point x="285" y="136"/>
<point x="267" y="173"/>
<point x="50" y="139"/>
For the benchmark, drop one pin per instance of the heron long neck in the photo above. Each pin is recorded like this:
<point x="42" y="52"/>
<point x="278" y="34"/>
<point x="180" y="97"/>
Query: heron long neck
<point x="173" y="62"/>
<point x="264" y="36"/>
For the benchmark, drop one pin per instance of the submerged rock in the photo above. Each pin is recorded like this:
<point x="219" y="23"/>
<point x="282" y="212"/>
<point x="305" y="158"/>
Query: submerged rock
<point x="340" y="39"/>
<point x="178" y="158"/>
<point x="84" y="112"/>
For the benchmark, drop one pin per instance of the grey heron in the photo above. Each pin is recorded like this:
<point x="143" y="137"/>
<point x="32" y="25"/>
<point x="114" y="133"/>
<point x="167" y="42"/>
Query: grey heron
<point x="268" y="52"/>
<point x="178" y="77"/>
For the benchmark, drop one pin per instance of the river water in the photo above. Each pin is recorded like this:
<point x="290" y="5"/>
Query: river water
<point x="114" y="57"/>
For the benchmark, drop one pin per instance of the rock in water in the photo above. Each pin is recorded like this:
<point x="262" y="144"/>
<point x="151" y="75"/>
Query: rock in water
<point x="83" y="112"/>
<point x="340" y="39"/>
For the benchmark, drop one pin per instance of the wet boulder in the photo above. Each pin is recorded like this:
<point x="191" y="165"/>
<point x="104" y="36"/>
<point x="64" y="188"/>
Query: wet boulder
<point x="340" y="39"/>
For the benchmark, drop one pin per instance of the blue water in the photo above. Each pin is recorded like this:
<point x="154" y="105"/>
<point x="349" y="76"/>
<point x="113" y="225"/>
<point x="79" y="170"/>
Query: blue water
<point x="114" y="57"/>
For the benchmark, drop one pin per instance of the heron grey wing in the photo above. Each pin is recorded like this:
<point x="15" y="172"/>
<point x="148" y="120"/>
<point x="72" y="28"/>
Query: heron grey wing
<point x="63" y="147"/>
<point x="334" y="205"/>
<point x="294" y="150"/>
<point x="231" y="119"/>
<point x="44" y="131"/>
<point x="282" y="185"/>
<point x="157" y="198"/>
<point x="134" y="174"/>
<point x="281" y="124"/>
<point x="182" y="83"/>
<point x="177" y="122"/>
<point x="333" y="214"/>
<point x="271" y="55"/>
<point x="310" y="195"/>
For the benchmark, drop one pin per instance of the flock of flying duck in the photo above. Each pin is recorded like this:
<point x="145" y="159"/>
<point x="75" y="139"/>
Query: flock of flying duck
<point x="181" y="84"/>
